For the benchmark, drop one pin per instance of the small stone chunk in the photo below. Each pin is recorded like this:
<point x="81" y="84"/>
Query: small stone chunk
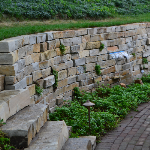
<point x="138" y="81"/>
<point x="122" y="85"/>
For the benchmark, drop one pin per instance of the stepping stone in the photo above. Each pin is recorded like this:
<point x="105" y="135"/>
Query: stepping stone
<point x="92" y="139"/>
<point x="22" y="127"/>
<point x="11" y="101"/>
<point x="52" y="136"/>
<point x="78" y="144"/>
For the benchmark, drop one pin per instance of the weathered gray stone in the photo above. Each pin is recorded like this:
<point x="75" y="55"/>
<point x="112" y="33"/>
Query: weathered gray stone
<point x="94" y="52"/>
<point x="57" y="60"/>
<point x="79" y="62"/>
<point x="91" y="59"/>
<point x="146" y="54"/>
<point x="9" y="80"/>
<point x="69" y="64"/>
<point x="21" y="64"/>
<point x="78" y="144"/>
<point x="59" y="100"/>
<point x="80" y="69"/>
<point x="80" y="32"/>
<point x="37" y="75"/>
<point x="62" y="74"/>
<point x="67" y="41"/>
<point x="81" y="77"/>
<point x="13" y="101"/>
<point x="35" y="66"/>
<point x="65" y="58"/>
<point x="75" y="49"/>
<point x="41" y="37"/>
<point x="22" y="127"/>
<point x="56" y="129"/>
<point x="49" y="81"/>
<point x="49" y="36"/>
<point x="72" y="79"/>
<point x="76" y="40"/>
<point x="32" y="39"/>
<point x="20" y="85"/>
<point x="29" y="49"/>
<point x="22" y="51"/>
<point x="7" y="46"/>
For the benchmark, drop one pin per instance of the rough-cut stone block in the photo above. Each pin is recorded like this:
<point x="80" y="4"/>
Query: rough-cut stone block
<point x="35" y="57"/>
<point x="8" y="58"/>
<point x="43" y="47"/>
<point x="29" y="80"/>
<point x="9" y="80"/>
<point x="108" y="70"/>
<point x="20" y="85"/>
<point x="79" y="62"/>
<point x="84" y="53"/>
<point x="28" y="60"/>
<point x="72" y="79"/>
<point x="81" y="77"/>
<point x="36" y="48"/>
<point x="90" y="67"/>
<point x="112" y="49"/>
<point x="2" y="82"/>
<point x="7" y="46"/>
<point x="59" y="100"/>
<point x="63" y="83"/>
<point x="81" y="69"/>
<point x="78" y="143"/>
<point x="32" y="39"/>
<point x="49" y="36"/>
<point x="72" y="71"/>
<point x="25" y="40"/>
<point x="44" y="64"/>
<point x="76" y="40"/>
<point x="85" y="38"/>
<point x="69" y="64"/>
<point x="21" y="64"/>
<point x="31" y="89"/>
<point x="69" y="33"/>
<point x="80" y="32"/>
<point x="67" y="41"/>
<point x="8" y="70"/>
<point x="94" y="52"/>
<point x="97" y="79"/>
<point x="71" y="86"/>
<point x="41" y="37"/>
<point x="37" y="75"/>
<point x="46" y="72"/>
<point x="58" y="34"/>
<point x="93" y="45"/>
<point x="75" y="49"/>
<point x="13" y="101"/>
<point x="91" y="59"/>
<point x="23" y="127"/>
<point x="56" y="129"/>
<point x="22" y="52"/>
<point x="49" y="81"/>
<point x="62" y="74"/>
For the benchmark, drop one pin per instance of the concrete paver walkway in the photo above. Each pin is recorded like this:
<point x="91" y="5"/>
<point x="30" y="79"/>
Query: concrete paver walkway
<point x="133" y="133"/>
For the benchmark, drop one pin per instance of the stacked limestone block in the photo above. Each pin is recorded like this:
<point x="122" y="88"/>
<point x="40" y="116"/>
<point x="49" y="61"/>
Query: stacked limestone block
<point x="1" y="82"/>
<point x="29" y="59"/>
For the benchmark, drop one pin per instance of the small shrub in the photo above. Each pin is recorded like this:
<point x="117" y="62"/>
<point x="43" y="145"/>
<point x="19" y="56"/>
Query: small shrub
<point x="133" y="54"/>
<point x="62" y="49"/>
<point x="101" y="47"/>
<point x="97" y="69"/>
<point x="145" y="61"/>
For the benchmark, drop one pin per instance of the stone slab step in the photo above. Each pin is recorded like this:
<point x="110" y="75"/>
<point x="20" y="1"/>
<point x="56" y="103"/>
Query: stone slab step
<point x="92" y="139"/>
<point x="23" y="126"/>
<point x="52" y="136"/>
<point x="11" y="101"/>
<point x="78" y="144"/>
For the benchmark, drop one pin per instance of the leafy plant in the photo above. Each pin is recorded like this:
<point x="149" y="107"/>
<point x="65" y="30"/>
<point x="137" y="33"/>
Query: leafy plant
<point x="38" y="89"/>
<point x="146" y="78"/>
<point x="97" y="69"/>
<point x="133" y="54"/>
<point x="101" y="47"/>
<point x="62" y="49"/>
<point x="55" y="73"/>
<point x="4" y="140"/>
<point x="111" y="106"/>
<point x="145" y="61"/>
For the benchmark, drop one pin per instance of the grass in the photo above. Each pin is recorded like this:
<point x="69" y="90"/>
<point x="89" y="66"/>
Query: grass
<point x="14" y="29"/>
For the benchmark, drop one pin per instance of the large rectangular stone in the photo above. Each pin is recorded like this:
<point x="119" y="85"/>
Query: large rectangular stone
<point x="8" y="58"/>
<point x="78" y="62"/>
<point x="13" y="101"/>
<point x="108" y="70"/>
<point x="8" y="70"/>
<point x="72" y="79"/>
<point x="75" y="49"/>
<point x="62" y="74"/>
<point x="49" y="81"/>
<point x="37" y="75"/>
<point x="7" y="46"/>
<point x="20" y="85"/>
<point x="31" y="89"/>
<point x="9" y="80"/>
<point x="93" y="45"/>
<point x="25" y="125"/>
<point x="72" y="71"/>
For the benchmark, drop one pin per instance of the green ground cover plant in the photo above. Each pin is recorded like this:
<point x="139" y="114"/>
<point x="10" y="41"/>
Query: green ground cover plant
<point x="111" y="106"/>
<point x="98" y="69"/>
<point x="75" y="9"/>
<point x="145" y="61"/>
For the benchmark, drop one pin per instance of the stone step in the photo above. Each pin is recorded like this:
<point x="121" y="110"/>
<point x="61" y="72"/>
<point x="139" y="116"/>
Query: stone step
<point x="78" y="144"/>
<point x="92" y="139"/>
<point x="11" y="101"/>
<point x="52" y="136"/>
<point x="23" y="126"/>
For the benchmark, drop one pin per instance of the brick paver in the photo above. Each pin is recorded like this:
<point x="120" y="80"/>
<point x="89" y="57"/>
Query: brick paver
<point x="133" y="133"/>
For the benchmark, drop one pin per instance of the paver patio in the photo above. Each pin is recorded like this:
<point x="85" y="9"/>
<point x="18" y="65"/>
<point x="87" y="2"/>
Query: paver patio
<point x="133" y="133"/>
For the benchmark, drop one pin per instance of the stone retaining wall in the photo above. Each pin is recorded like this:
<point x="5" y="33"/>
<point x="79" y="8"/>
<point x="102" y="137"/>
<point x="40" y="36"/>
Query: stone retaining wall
<point x="29" y="58"/>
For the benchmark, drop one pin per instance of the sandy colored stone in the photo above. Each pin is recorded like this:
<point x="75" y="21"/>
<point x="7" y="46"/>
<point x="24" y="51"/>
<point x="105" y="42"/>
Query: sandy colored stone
<point x="58" y="34"/>
<point x="108" y="70"/>
<point x="31" y="89"/>
<point x="36" y="48"/>
<point x="62" y="74"/>
<point x="2" y="82"/>
<point x="7" y="70"/>
<point x="62" y="83"/>
<point x="112" y="49"/>
<point x="93" y="45"/>
<point x="123" y="85"/>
